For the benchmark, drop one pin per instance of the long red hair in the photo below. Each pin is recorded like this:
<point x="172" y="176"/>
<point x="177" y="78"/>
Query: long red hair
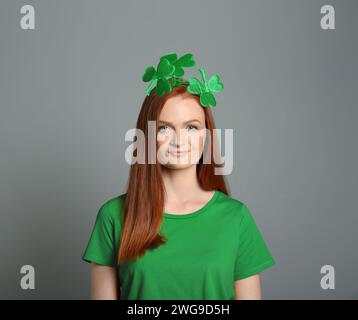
<point x="144" y="199"/>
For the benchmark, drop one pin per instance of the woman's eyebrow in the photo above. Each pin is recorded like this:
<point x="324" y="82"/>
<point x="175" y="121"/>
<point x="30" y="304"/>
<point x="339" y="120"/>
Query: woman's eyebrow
<point x="167" y="122"/>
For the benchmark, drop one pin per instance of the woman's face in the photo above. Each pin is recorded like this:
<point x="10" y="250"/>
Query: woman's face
<point x="181" y="132"/>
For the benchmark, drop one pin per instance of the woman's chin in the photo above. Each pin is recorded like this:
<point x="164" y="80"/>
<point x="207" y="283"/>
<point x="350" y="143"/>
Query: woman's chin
<point x="177" y="166"/>
<point x="178" y="163"/>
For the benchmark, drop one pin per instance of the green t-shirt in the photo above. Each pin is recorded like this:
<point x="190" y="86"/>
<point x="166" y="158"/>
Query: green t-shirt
<point x="206" y="251"/>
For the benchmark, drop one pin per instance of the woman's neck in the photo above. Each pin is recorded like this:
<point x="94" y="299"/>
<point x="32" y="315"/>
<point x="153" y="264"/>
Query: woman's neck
<point x="181" y="184"/>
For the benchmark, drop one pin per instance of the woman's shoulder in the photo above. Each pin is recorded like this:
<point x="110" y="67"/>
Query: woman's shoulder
<point x="234" y="205"/>
<point x="112" y="208"/>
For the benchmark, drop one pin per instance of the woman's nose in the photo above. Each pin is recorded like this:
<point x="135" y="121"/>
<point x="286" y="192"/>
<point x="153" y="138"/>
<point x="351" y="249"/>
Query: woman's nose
<point x="178" y="139"/>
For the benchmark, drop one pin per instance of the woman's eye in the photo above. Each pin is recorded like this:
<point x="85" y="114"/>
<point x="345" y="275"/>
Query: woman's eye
<point x="166" y="129"/>
<point x="192" y="127"/>
<point x="163" y="129"/>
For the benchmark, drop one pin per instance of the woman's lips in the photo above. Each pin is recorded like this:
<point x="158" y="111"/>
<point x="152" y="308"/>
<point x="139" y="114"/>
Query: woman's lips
<point x="178" y="153"/>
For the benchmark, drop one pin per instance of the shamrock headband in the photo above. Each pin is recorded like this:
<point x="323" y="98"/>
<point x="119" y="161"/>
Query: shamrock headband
<point x="170" y="67"/>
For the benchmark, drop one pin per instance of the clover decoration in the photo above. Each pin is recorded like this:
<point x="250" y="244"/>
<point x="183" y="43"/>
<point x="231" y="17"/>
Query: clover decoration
<point x="205" y="89"/>
<point x="171" y="68"/>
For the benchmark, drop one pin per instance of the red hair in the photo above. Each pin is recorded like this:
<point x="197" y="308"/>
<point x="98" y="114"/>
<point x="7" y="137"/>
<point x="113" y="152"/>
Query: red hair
<point x="144" y="200"/>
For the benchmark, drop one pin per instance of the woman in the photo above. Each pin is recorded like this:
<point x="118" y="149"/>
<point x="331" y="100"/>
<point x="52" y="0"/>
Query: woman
<point x="176" y="233"/>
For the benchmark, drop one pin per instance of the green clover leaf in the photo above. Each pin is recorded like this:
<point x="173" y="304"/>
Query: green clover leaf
<point x="168" y="68"/>
<point x="185" y="61"/>
<point x="205" y="89"/>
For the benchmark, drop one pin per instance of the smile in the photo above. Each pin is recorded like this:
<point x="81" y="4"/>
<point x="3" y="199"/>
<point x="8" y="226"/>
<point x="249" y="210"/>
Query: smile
<point x="177" y="153"/>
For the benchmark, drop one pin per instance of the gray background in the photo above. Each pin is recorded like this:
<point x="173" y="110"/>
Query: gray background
<point x="70" y="90"/>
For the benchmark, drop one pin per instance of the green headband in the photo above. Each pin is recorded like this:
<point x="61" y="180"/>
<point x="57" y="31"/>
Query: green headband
<point x="172" y="68"/>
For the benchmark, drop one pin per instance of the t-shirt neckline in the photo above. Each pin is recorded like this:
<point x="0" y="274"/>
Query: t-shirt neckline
<point x="194" y="213"/>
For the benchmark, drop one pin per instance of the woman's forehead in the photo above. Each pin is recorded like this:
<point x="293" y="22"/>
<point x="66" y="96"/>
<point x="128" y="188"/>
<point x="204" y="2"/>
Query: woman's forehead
<point x="177" y="109"/>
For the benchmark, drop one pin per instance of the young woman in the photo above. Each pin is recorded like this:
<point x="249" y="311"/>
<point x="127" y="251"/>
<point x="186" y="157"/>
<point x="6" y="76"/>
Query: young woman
<point x="176" y="233"/>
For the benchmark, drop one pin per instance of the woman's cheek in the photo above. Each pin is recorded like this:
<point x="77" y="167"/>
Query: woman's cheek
<point x="162" y="147"/>
<point x="163" y="138"/>
<point x="197" y="141"/>
<point x="194" y="145"/>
